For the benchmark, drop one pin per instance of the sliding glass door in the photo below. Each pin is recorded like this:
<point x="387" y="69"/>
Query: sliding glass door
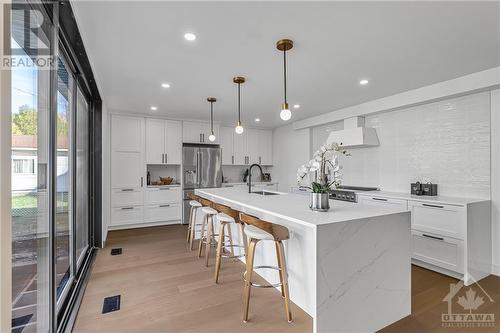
<point x="51" y="158"/>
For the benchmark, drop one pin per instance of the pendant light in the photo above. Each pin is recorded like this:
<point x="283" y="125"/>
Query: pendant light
<point x="212" y="100"/>
<point x="239" y="80"/>
<point x="284" y="45"/>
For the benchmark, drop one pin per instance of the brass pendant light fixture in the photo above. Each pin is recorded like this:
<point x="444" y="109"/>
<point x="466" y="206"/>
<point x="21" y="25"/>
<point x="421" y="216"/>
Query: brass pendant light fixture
<point x="239" y="80"/>
<point x="212" y="100"/>
<point x="284" y="45"/>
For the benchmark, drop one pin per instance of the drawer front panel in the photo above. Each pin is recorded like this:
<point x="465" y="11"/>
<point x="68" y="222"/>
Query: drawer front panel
<point x="164" y="212"/>
<point x="163" y="195"/>
<point x="126" y="215"/>
<point x="437" y="250"/>
<point x="382" y="202"/>
<point x="126" y="197"/>
<point x="438" y="219"/>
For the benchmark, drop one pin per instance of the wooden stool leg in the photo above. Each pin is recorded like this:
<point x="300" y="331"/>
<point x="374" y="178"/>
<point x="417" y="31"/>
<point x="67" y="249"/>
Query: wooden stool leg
<point x="190" y="224"/>
<point x="284" y="280"/>
<point x="220" y="245"/>
<point x="243" y="240"/>
<point x="278" y="257"/>
<point x="248" y="277"/>
<point x="208" y="244"/>
<point x="192" y="231"/>
<point x="202" y="235"/>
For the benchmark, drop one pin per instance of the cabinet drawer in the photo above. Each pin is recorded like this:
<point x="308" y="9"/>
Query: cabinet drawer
<point x="126" y="215"/>
<point x="164" y="212"/>
<point x="161" y="195"/>
<point x="383" y="202"/>
<point x="126" y="197"/>
<point x="437" y="250"/>
<point x="445" y="220"/>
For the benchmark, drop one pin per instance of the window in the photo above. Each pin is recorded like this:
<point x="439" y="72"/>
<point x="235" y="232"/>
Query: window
<point x="23" y="166"/>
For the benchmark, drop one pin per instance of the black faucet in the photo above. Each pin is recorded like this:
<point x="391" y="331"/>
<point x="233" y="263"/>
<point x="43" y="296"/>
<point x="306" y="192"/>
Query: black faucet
<point x="250" y="176"/>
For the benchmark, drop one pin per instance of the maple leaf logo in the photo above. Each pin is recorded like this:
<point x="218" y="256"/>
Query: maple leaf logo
<point x="470" y="301"/>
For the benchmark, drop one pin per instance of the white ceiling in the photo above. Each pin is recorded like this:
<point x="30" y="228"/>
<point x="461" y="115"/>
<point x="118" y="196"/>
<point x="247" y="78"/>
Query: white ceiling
<point x="398" y="46"/>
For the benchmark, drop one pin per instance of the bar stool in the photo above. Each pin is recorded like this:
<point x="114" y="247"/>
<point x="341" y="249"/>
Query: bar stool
<point x="259" y="230"/>
<point x="195" y="205"/>
<point x="208" y="223"/>
<point x="227" y="217"/>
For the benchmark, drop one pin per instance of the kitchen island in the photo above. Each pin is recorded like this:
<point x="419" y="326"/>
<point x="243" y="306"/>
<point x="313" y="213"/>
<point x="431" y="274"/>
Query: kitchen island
<point x="348" y="268"/>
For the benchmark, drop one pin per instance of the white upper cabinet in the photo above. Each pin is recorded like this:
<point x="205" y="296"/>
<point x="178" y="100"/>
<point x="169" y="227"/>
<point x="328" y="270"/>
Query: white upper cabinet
<point x="127" y="149"/>
<point x="226" y="145"/>
<point x="163" y="141"/>
<point x="198" y="132"/>
<point x="155" y="141"/>
<point x="252" y="146"/>
<point x="173" y="144"/>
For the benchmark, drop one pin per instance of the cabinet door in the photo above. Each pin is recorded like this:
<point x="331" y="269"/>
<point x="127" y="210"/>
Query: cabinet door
<point x="173" y="142"/>
<point x="127" y="170"/>
<point x="439" y="219"/>
<point x="226" y="145"/>
<point x="127" y="134"/>
<point x="383" y="202"/>
<point x="240" y="148"/>
<point x="265" y="148"/>
<point x="192" y="132"/>
<point x="437" y="250"/>
<point x="252" y="146"/>
<point x="155" y="141"/>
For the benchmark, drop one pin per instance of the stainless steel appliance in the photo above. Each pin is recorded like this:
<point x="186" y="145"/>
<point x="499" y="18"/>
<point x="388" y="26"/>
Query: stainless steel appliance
<point x="201" y="168"/>
<point x="348" y="193"/>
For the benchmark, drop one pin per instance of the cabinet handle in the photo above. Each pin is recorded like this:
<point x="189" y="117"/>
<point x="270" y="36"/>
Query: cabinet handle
<point x="166" y="158"/>
<point x="379" y="199"/>
<point x="161" y="206"/>
<point x="127" y="190"/>
<point x="433" y="237"/>
<point x="270" y="185"/>
<point x="142" y="183"/>
<point x="228" y="185"/>
<point x="260" y="160"/>
<point x="200" y="138"/>
<point x="232" y="159"/>
<point x="162" y="158"/>
<point x="164" y="188"/>
<point x="433" y="206"/>
<point x="127" y="208"/>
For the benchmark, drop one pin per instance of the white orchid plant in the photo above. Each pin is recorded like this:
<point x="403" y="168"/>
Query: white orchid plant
<point x="325" y="164"/>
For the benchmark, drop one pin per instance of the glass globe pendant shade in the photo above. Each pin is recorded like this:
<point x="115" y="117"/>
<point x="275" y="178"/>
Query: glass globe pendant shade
<point x="239" y="128"/>
<point x="285" y="113"/>
<point x="211" y="137"/>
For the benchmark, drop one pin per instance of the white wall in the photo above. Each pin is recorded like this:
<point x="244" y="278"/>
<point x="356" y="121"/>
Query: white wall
<point x="446" y="142"/>
<point x="106" y="172"/>
<point x="291" y="149"/>
<point x="495" y="178"/>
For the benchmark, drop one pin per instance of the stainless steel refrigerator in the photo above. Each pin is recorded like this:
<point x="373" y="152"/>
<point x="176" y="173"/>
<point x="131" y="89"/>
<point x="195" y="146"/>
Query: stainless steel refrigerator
<point x="201" y="168"/>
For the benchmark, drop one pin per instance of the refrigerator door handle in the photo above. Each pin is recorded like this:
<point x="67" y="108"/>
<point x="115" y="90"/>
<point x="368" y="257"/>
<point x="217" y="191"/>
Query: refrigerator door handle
<point x="200" y="165"/>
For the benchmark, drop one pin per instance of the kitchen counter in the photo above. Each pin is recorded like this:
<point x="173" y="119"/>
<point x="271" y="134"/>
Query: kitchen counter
<point x="422" y="198"/>
<point x="348" y="268"/>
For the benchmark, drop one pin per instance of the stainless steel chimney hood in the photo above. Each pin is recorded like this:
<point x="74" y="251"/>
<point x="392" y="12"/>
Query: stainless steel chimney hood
<point x="355" y="134"/>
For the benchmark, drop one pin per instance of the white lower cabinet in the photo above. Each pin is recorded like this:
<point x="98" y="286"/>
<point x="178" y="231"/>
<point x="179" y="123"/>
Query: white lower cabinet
<point x="383" y="202"/>
<point x="163" y="212"/>
<point x="445" y="252"/>
<point x="126" y="197"/>
<point x="126" y="215"/>
<point x="440" y="219"/>
<point x="158" y="195"/>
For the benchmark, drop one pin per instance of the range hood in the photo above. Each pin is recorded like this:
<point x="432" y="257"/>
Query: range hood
<point x="355" y="134"/>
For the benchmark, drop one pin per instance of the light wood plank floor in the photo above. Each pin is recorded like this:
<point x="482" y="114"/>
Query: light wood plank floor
<point x="165" y="288"/>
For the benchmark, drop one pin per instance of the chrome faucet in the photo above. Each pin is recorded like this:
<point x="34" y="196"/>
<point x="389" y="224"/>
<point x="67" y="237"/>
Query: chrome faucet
<point x="250" y="175"/>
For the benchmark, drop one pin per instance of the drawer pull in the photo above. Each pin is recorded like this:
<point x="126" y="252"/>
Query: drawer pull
<point x="161" y="206"/>
<point x="379" y="199"/>
<point x="127" y="190"/>
<point x="164" y="188"/>
<point x="433" y="206"/>
<point x="127" y="208"/>
<point x="433" y="237"/>
<point x="228" y="185"/>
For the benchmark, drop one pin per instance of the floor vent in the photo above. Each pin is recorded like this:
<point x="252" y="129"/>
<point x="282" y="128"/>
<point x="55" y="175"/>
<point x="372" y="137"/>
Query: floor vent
<point x="111" y="304"/>
<point x="116" y="251"/>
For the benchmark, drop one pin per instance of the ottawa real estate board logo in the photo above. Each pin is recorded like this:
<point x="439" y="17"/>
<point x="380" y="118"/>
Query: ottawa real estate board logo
<point x="465" y="306"/>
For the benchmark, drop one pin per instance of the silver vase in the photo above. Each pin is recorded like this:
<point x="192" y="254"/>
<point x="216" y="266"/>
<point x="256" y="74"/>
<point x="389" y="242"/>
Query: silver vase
<point x="319" y="202"/>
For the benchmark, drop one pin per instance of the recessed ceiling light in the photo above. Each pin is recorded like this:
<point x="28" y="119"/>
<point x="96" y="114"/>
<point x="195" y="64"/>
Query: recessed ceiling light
<point x="189" y="36"/>
<point x="154" y="108"/>
<point x="257" y="120"/>
<point x="363" y="82"/>
<point x="296" y="106"/>
<point x="165" y="85"/>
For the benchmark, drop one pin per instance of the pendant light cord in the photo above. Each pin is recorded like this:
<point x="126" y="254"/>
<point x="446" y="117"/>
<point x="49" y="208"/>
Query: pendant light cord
<point x="212" y="117"/>
<point x="239" y="106"/>
<point x="284" y="72"/>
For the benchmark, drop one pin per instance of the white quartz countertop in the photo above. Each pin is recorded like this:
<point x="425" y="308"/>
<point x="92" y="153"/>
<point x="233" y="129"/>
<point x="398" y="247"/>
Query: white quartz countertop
<point x="438" y="199"/>
<point x="293" y="207"/>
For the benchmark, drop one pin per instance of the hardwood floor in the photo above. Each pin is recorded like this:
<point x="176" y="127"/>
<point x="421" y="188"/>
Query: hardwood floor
<point x="166" y="288"/>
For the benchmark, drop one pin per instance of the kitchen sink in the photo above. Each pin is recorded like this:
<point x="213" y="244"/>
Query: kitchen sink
<point x="265" y="193"/>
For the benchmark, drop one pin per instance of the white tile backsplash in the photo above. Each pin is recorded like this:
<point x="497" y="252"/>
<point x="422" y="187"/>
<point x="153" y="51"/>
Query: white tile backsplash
<point x="234" y="173"/>
<point x="446" y="142"/>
